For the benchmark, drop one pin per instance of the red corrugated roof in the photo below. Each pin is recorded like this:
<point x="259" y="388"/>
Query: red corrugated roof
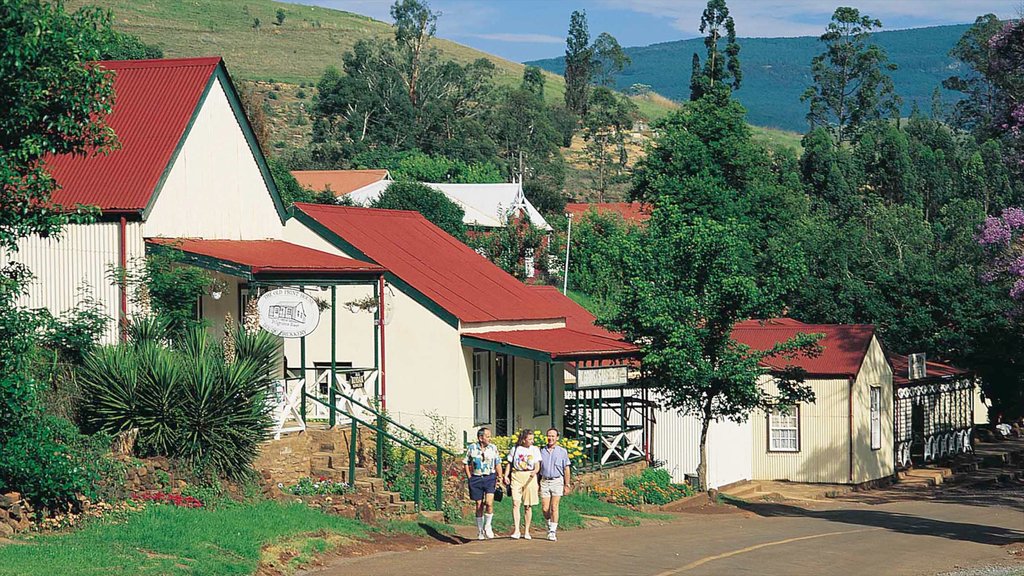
<point x="154" y="102"/>
<point x="844" y="345"/>
<point x="270" y="256"/>
<point x="576" y="317"/>
<point x="629" y="211"/>
<point x="437" y="265"/>
<point x="901" y="364"/>
<point x="340" y="182"/>
<point x="560" y="343"/>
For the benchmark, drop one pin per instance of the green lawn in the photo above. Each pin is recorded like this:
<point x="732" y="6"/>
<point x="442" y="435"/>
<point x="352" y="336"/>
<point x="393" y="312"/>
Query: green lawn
<point x="168" y="540"/>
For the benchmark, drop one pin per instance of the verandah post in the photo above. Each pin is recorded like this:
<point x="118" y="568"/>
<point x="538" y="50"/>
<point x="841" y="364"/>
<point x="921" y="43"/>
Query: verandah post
<point x="332" y="396"/>
<point x="416" y="481"/>
<point x="551" y="392"/>
<point x="353" y="432"/>
<point x="439" y="481"/>
<point x="302" y="362"/>
<point x="378" y="318"/>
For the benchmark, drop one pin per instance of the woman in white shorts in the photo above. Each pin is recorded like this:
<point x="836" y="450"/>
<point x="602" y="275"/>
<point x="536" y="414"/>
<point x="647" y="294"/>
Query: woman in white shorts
<point x="524" y="465"/>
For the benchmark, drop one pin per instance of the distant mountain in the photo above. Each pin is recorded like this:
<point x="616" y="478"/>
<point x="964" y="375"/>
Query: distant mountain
<point x="776" y="71"/>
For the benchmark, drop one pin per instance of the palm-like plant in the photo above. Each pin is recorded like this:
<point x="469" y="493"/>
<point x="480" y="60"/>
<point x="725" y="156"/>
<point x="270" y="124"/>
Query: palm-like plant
<point x="185" y="399"/>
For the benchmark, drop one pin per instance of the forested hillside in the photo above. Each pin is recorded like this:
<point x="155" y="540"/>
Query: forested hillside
<point x="777" y="70"/>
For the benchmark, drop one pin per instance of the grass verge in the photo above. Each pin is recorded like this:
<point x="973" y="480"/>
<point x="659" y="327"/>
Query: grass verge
<point x="168" y="540"/>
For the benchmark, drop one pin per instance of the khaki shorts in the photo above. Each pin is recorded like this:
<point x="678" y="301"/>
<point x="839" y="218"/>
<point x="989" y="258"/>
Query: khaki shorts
<point x="524" y="488"/>
<point x="552" y="487"/>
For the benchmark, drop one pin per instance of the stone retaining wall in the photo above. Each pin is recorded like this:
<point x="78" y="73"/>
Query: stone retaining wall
<point x="14" y="514"/>
<point x="606" y="477"/>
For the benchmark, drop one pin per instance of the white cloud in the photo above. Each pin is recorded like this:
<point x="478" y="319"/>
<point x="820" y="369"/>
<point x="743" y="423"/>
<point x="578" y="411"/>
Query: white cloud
<point x="520" y="38"/>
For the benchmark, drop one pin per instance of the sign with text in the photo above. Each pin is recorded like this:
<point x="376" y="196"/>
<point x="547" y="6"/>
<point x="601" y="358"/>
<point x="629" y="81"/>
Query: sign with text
<point x="917" y="367"/>
<point x="602" y="376"/>
<point x="288" y="313"/>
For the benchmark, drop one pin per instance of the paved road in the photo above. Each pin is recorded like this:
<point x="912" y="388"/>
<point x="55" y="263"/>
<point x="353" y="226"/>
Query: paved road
<point x="896" y="538"/>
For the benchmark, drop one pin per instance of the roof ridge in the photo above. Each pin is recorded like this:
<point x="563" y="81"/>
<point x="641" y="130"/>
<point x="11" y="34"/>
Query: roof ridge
<point x="161" y="62"/>
<point x="343" y="208"/>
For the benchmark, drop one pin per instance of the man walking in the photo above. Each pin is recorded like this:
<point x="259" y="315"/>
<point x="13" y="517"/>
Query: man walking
<point x="554" y="480"/>
<point x="483" y="468"/>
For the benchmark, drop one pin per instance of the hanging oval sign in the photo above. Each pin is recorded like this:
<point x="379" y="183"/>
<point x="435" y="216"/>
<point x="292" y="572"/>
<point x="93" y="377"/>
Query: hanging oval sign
<point x="288" y="313"/>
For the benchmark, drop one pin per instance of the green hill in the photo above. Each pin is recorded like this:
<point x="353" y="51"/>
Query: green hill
<point x="777" y="70"/>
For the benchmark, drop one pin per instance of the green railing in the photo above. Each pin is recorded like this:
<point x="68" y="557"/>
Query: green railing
<point x="380" y="424"/>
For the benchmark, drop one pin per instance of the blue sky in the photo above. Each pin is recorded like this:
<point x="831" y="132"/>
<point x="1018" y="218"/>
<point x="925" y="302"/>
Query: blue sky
<point x="530" y="29"/>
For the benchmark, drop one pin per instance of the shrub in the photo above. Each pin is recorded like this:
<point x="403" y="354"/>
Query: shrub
<point x="187" y="401"/>
<point x="51" y="463"/>
<point x="652" y="486"/>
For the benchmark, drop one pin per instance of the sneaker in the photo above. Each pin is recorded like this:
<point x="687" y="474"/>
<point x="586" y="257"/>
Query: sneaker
<point x="552" y="537"/>
<point x="488" y="532"/>
<point x="527" y="536"/>
<point x="515" y="536"/>
<point x="480" y="535"/>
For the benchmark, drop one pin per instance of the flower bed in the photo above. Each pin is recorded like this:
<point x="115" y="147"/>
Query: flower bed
<point x="652" y="486"/>
<point x="316" y="487"/>
<point x="573" y="447"/>
<point x="165" y="498"/>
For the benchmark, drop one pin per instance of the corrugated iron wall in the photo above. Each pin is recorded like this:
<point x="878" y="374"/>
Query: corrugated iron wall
<point x="76" y="264"/>
<point x="824" y="432"/>
<point x="677" y="445"/>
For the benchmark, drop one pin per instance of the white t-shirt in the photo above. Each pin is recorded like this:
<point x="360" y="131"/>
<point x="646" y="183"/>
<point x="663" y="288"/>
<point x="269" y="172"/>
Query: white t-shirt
<point x="523" y="458"/>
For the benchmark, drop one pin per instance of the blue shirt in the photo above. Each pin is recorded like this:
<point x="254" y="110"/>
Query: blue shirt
<point x="553" y="462"/>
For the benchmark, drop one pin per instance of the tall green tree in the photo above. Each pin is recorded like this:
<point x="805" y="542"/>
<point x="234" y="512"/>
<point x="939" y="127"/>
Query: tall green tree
<point x="979" y="79"/>
<point x="609" y="116"/>
<point x="52" y="101"/>
<point x="688" y="281"/>
<point x="851" y="85"/>
<point x="721" y="68"/>
<point x="415" y="25"/>
<point x="578" y="64"/>
<point x="609" y="59"/>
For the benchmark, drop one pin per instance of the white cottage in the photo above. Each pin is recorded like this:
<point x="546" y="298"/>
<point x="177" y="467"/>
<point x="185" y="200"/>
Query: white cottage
<point x="445" y="332"/>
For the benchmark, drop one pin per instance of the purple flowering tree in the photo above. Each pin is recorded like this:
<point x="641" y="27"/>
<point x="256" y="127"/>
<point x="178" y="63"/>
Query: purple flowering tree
<point x="1003" y="237"/>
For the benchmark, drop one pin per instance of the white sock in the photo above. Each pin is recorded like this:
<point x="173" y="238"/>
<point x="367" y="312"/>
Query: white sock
<point x="487" y="521"/>
<point x="554" y="526"/>
<point x="480" y="523"/>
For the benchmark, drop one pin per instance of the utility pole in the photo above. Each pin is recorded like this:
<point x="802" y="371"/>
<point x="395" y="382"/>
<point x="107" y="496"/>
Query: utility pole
<point x="568" y="241"/>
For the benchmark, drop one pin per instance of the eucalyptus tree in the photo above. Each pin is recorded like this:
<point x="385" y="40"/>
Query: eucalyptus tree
<point x="851" y="82"/>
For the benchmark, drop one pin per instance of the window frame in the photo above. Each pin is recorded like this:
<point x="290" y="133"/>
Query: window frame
<point x="541" y="381"/>
<point x="480" y="380"/>
<point x="795" y="413"/>
<point x="875" y="417"/>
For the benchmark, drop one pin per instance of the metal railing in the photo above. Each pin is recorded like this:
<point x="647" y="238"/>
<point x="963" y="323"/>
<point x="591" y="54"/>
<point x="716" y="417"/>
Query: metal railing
<point x="379" y="424"/>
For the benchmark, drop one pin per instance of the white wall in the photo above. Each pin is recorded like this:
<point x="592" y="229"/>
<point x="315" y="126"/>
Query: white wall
<point x="677" y="445"/>
<point x="427" y="369"/>
<point x="77" y="259"/>
<point x="215" y="188"/>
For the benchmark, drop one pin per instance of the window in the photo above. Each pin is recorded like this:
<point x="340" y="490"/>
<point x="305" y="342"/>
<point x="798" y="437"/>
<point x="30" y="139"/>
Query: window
<point x="876" y="417"/>
<point x="541" y="389"/>
<point x="784" y="429"/>
<point x="528" y="261"/>
<point x="481" y="387"/>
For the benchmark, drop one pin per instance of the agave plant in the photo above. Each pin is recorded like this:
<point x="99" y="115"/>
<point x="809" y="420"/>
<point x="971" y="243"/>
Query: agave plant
<point x="185" y="399"/>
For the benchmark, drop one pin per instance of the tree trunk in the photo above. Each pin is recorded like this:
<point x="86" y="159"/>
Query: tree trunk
<point x="702" y="467"/>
